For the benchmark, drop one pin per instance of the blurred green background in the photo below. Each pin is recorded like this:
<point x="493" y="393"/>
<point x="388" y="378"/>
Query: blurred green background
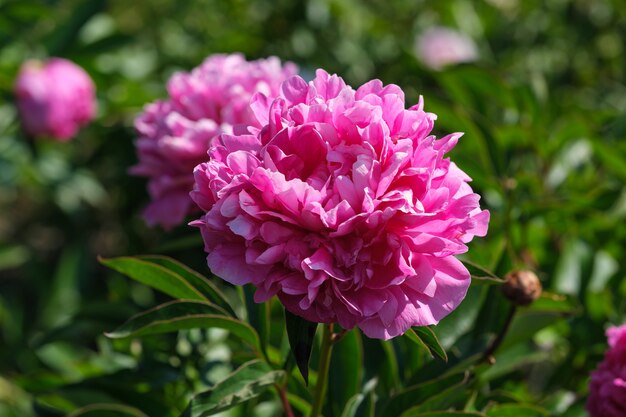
<point x="544" y="112"/>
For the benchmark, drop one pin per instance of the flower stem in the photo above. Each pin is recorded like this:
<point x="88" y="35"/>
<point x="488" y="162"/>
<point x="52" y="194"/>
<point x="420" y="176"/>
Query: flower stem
<point x="488" y="355"/>
<point x="322" y="371"/>
<point x="282" y="393"/>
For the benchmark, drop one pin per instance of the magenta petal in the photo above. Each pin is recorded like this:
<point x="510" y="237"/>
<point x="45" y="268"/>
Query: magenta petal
<point x="228" y="262"/>
<point x="272" y="255"/>
<point x="244" y="227"/>
<point x="295" y="90"/>
<point x="169" y="210"/>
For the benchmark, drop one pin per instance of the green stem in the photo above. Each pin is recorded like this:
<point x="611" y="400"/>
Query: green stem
<point x="491" y="350"/>
<point x="322" y="371"/>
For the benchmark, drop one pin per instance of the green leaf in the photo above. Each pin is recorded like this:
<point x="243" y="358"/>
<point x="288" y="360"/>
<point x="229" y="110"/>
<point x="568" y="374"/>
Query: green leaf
<point x="353" y="404"/>
<point x="387" y="366"/>
<point x="181" y="315"/>
<point x="301" y="334"/>
<point x="611" y="160"/>
<point x="570" y="270"/>
<point x="155" y="276"/>
<point x="199" y="282"/>
<point x="66" y="33"/>
<point x="463" y="319"/>
<point x="346" y="371"/>
<point x="544" y="312"/>
<point x="420" y="393"/>
<point x="428" y="337"/>
<point x="107" y="410"/>
<point x="516" y="410"/>
<point x="62" y="299"/>
<point x="299" y="404"/>
<point x="13" y="256"/>
<point x="520" y="356"/>
<point x="527" y="323"/>
<point x="451" y="397"/>
<point x="481" y="273"/>
<point x="247" y="382"/>
<point x="413" y="337"/>
<point x="258" y="315"/>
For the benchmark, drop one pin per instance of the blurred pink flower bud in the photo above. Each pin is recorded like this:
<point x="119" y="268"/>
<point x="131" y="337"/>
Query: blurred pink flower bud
<point x="439" y="47"/>
<point x="54" y="98"/>
<point x="607" y="396"/>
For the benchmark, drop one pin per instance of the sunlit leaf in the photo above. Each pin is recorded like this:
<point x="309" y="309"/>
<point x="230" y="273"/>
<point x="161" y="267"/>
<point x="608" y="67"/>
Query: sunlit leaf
<point x="181" y="315"/>
<point x="155" y="276"/>
<point x="248" y="381"/>
<point x="429" y="338"/>
<point x="413" y="337"/>
<point x="199" y="282"/>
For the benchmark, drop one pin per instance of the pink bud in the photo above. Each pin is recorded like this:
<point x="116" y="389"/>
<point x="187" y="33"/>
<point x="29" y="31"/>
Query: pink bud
<point x="439" y="47"/>
<point x="54" y="98"/>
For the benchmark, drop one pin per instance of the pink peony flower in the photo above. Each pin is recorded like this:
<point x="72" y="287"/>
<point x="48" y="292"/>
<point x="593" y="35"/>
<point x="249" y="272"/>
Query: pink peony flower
<point x="54" y="98"/>
<point x="439" y="47"/>
<point x="607" y="397"/>
<point x="343" y="205"/>
<point x="174" y="134"/>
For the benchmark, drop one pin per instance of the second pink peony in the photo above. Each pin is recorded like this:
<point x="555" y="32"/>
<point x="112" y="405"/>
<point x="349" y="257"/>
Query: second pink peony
<point x="174" y="134"/>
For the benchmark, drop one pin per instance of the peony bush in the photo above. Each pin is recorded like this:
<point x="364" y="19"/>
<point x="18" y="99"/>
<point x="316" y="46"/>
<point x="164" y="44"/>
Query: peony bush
<point x="315" y="248"/>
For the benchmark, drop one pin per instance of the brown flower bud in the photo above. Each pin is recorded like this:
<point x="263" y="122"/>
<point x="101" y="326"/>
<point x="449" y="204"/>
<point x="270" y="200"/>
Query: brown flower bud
<point x="521" y="287"/>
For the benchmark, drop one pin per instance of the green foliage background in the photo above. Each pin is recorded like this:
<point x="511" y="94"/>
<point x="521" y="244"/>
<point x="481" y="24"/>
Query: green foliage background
<point x="544" y="111"/>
